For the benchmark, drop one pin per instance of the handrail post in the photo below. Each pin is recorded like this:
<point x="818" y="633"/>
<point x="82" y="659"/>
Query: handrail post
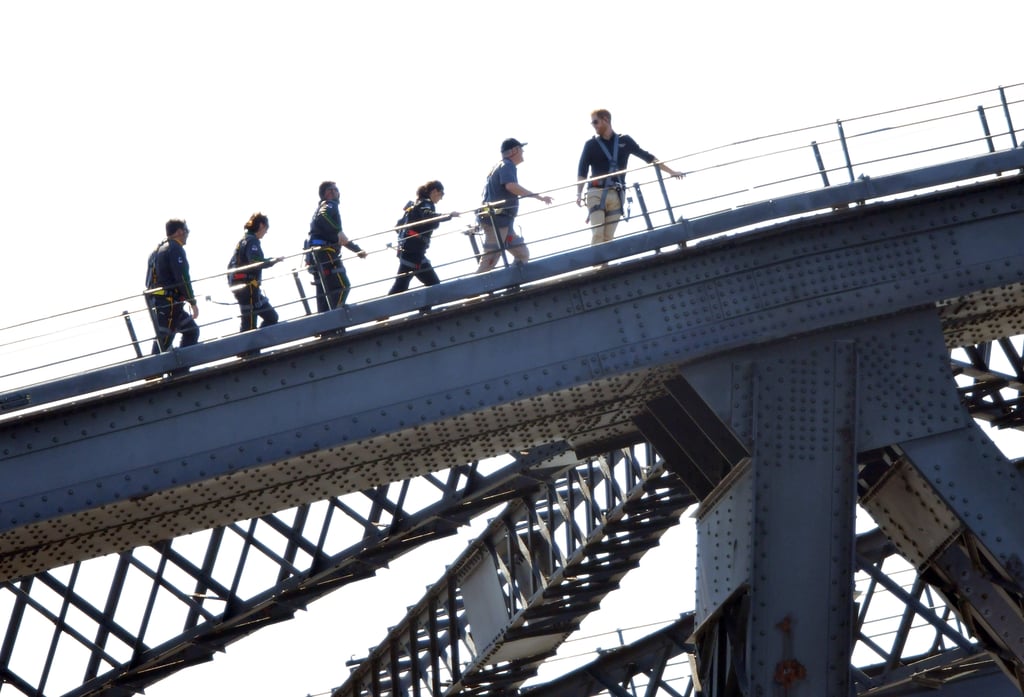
<point x="846" y="150"/>
<point x="664" y="194"/>
<point x="1006" y="113"/>
<point x="302" y="293"/>
<point x="470" y="232"/>
<point x="151" y="306"/>
<point x="985" y="128"/>
<point x="821" y="163"/>
<point x="643" y="206"/>
<point x="131" y="333"/>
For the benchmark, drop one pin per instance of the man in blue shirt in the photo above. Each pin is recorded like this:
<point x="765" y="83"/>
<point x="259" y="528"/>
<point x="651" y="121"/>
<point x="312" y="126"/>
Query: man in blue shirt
<point x="604" y="154"/>
<point x="501" y="204"/>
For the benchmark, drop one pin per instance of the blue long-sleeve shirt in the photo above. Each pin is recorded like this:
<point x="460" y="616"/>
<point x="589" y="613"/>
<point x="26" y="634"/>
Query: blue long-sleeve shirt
<point x="598" y="162"/>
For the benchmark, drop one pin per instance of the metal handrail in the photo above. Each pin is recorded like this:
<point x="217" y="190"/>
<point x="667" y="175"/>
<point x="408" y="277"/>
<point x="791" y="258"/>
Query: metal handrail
<point x="719" y="179"/>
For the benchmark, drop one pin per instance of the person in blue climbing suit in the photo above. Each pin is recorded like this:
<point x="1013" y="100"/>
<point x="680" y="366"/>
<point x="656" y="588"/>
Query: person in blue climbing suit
<point x="325" y="241"/>
<point x="413" y="241"/>
<point x="500" y="206"/>
<point x="246" y="274"/>
<point x="607" y="152"/>
<point x="169" y="289"/>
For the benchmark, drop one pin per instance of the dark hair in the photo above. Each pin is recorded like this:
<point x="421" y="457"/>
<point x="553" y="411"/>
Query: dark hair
<point x="432" y="185"/>
<point x="324" y="186"/>
<point x="601" y="114"/>
<point x="254" y="222"/>
<point x="173" y="225"/>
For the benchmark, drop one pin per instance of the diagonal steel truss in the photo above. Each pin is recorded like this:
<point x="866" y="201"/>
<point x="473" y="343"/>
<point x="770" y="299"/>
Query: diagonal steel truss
<point x="527" y="581"/>
<point x="219" y="586"/>
<point x="908" y="642"/>
<point x="992" y="381"/>
<point x="906" y="634"/>
<point x="202" y="592"/>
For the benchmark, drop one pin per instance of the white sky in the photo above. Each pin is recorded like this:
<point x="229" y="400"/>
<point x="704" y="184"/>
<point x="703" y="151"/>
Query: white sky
<point x="119" y="115"/>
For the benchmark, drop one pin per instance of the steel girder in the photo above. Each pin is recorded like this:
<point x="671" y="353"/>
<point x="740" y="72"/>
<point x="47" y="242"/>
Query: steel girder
<point x="525" y="584"/>
<point x="992" y="385"/>
<point x="908" y="639"/>
<point x="618" y="671"/>
<point x="775" y="563"/>
<point x="908" y="642"/>
<point x="970" y="265"/>
<point x="776" y="534"/>
<point x="950" y="502"/>
<point x="216" y="588"/>
<point x="949" y="659"/>
<point x="590" y="351"/>
<point x="783" y="207"/>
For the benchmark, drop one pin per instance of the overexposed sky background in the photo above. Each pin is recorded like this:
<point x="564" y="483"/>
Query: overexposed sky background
<point x="119" y="115"/>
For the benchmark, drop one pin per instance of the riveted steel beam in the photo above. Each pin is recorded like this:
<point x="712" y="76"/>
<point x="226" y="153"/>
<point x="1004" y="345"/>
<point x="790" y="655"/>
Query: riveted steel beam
<point x="311" y="422"/>
<point x="192" y="586"/>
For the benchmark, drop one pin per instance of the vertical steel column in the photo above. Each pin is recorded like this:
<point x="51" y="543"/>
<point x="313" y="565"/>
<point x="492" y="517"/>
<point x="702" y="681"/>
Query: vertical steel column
<point x="775" y="539"/>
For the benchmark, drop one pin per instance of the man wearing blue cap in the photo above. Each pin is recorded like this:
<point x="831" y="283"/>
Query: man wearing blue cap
<point x="501" y="203"/>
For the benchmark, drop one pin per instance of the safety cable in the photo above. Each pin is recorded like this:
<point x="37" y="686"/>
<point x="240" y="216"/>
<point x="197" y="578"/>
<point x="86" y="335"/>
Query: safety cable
<point x="699" y="204"/>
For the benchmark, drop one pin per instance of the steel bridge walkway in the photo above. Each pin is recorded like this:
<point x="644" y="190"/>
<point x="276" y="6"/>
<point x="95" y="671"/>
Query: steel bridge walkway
<point x="781" y="376"/>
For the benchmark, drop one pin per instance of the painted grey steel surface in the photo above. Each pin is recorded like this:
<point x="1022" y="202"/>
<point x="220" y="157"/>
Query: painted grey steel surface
<point x="775" y="545"/>
<point x="831" y="198"/>
<point x="818" y="325"/>
<point x="992" y="378"/>
<point x="572" y="360"/>
<point x="773" y="539"/>
<point x="900" y="351"/>
<point x="975" y="492"/>
<point x="210" y="609"/>
<point x="641" y="665"/>
<point x="646" y="667"/>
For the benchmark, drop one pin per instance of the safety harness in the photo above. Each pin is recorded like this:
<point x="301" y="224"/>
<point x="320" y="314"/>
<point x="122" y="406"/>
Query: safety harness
<point x="241" y="277"/>
<point x="613" y="165"/>
<point x="152" y="283"/>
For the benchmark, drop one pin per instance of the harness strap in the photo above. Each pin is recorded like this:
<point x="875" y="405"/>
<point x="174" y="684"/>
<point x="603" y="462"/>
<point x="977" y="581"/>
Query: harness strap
<point x="613" y="164"/>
